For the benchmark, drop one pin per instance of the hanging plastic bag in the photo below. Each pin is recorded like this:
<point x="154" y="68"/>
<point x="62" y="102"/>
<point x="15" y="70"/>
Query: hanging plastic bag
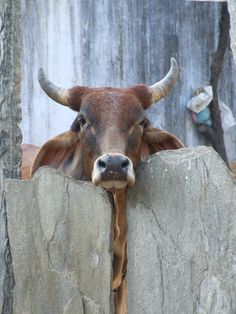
<point x="227" y="118"/>
<point x="201" y="99"/>
<point x="199" y="103"/>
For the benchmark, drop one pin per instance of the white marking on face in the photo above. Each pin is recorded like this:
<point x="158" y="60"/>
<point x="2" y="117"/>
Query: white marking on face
<point x="96" y="176"/>
<point x="131" y="175"/>
<point x="113" y="184"/>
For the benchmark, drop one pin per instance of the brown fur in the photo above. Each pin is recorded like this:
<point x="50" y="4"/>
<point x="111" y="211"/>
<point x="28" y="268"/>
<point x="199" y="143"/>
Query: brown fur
<point x="77" y="94"/>
<point x="115" y="121"/>
<point x="55" y="151"/>
<point x="232" y="166"/>
<point x="28" y="155"/>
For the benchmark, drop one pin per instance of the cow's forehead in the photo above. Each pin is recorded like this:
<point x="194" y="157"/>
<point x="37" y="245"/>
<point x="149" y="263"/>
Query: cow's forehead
<point x="115" y="103"/>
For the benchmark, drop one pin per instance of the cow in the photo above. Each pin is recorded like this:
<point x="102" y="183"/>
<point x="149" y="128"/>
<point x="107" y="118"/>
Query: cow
<point x="109" y="137"/>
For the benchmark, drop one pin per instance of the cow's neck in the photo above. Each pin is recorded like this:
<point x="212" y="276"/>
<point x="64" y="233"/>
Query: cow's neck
<point x="120" y="255"/>
<point x="120" y="217"/>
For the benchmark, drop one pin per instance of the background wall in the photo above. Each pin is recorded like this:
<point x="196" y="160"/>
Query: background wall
<point x="119" y="44"/>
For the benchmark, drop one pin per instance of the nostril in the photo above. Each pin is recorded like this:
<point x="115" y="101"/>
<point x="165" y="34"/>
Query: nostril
<point x="101" y="164"/>
<point x="125" y="164"/>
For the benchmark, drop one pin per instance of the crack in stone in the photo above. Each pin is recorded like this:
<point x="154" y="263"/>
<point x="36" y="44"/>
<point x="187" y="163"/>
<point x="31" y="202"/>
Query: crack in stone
<point x="68" y="201"/>
<point x="158" y="224"/>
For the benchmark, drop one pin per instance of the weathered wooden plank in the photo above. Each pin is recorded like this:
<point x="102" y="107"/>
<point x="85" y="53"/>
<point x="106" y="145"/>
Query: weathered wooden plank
<point x="207" y="0"/>
<point x="232" y="11"/>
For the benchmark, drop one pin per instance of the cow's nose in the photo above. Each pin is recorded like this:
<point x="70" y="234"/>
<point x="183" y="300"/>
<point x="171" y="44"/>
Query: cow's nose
<point x="111" y="168"/>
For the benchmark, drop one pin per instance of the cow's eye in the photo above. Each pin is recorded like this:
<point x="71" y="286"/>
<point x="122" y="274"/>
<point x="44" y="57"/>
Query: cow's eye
<point x="145" y="123"/>
<point x="82" y="121"/>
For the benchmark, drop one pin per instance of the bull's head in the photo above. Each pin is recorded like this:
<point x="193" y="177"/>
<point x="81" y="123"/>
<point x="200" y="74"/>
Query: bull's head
<point x="113" y="131"/>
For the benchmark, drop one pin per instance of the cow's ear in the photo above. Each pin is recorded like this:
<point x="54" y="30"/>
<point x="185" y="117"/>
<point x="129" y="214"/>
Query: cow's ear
<point x="56" y="151"/>
<point x="156" y="140"/>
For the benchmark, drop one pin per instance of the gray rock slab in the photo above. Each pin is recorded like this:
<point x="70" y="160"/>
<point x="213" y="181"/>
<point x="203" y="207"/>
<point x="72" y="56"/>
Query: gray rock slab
<point x="182" y="235"/>
<point x="60" y="236"/>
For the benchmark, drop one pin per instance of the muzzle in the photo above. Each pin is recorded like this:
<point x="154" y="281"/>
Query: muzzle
<point x="113" y="171"/>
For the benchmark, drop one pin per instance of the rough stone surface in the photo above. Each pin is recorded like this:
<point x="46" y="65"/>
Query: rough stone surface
<point x="117" y="43"/>
<point x="10" y="133"/>
<point x="10" y="76"/>
<point x="182" y="236"/>
<point x="60" y="235"/>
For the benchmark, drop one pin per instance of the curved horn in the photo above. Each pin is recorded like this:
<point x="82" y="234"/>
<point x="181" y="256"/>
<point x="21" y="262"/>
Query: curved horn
<point x="55" y="92"/>
<point x="163" y="87"/>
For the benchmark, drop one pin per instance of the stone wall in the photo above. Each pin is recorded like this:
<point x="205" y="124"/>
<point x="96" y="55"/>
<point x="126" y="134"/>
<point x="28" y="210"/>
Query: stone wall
<point x="181" y="239"/>
<point x="182" y="236"/>
<point x="60" y="235"/>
